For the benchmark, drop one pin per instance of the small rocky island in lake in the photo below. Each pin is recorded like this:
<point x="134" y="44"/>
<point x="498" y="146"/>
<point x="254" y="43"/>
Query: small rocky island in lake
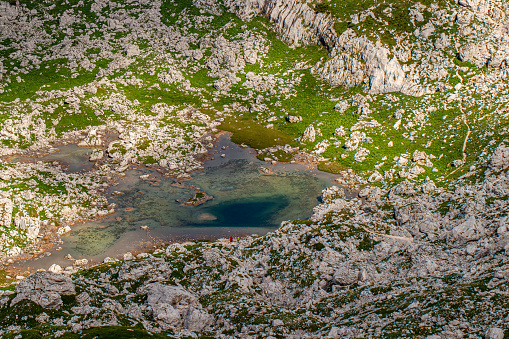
<point x="198" y="199"/>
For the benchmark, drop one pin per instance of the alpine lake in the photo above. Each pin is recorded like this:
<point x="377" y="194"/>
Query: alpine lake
<point x="248" y="196"/>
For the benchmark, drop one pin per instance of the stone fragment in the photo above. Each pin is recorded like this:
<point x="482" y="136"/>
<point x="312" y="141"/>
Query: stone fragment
<point x="341" y="106"/>
<point x="345" y="275"/>
<point x="63" y="230"/>
<point x="81" y="262"/>
<point x="293" y="119"/>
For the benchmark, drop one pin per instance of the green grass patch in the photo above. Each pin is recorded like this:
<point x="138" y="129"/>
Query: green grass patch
<point x="253" y="134"/>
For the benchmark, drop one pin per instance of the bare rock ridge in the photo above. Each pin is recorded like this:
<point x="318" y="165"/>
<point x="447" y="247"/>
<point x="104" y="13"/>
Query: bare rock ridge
<point x="354" y="60"/>
<point x="295" y="20"/>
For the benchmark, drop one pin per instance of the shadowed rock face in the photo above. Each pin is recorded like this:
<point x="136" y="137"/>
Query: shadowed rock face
<point x="44" y="289"/>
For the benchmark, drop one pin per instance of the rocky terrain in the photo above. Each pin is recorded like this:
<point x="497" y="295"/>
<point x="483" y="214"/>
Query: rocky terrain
<point x="406" y="101"/>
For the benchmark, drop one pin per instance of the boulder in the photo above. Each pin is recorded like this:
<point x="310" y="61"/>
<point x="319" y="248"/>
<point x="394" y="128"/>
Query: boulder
<point x="197" y="320"/>
<point x="331" y="193"/>
<point x="345" y="276"/>
<point x="468" y="230"/>
<point x="375" y="176"/>
<point x="28" y="224"/>
<point x="55" y="268"/>
<point x="132" y="50"/>
<point x="309" y="134"/>
<point x="428" y="187"/>
<point x="44" y="289"/>
<point x="63" y="230"/>
<point x="342" y="106"/>
<point x="128" y="256"/>
<point x="96" y="155"/>
<point x="293" y="119"/>
<point x="173" y="306"/>
<point x="494" y="333"/>
<point x="361" y="154"/>
<point x="81" y="262"/>
<point x="355" y="139"/>
<point x="427" y="30"/>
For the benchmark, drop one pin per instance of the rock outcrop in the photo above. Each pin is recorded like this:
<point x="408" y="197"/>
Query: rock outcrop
<point x="44" y="289"/>
<point x="355" y="60"/>
<point x="174" y="307"/>
<point x="294" y="19"/>
<point x="500" y="158"/>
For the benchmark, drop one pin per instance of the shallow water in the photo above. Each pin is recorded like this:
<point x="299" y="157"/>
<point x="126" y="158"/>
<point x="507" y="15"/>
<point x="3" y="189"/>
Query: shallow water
<point x="74" y="158"/>
<point x="245" y="202"/>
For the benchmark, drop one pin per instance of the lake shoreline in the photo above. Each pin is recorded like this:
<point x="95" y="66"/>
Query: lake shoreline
<point x="212" y="155"/>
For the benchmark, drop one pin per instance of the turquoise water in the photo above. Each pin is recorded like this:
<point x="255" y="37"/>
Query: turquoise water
<point x="245" y="202"/>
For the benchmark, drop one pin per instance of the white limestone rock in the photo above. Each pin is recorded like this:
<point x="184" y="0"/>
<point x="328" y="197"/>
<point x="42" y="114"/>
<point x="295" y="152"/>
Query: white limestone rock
<point x="30" y="225"/>
<point x="415" y="217"/>
<point x="44" y="289"/>
<point x="63" y="230"/>
<point x="96" y="155"/>
<point x="480" y="6"/>
<point x="172" y="306"/>
<point x="331" y="193"/>
<point x="361" y="154"/>
<point x="427" y="30"/>
<point x="355" y="139"/>
<point x="356" y="59"/>
<point x="494" y="333"/>
<point x="14" y="251"/>
<point x="341" y="106"/>
<point x="342" y="70"/>
<point x="296" y="21"/>
<point x="293" y="119"/>
<point x="173" y="75"/>
<point x="132" y="50"/>
<point x="309" y="134"/>
<point x="81" y="262"/>
<point x="428" y="187"/>
<point x="500" y="159"/>
<point x="345" y="275"/>
<point x="375" y="176"/>
<point x="55" y="268"/>
<point x="468" y="230"/>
